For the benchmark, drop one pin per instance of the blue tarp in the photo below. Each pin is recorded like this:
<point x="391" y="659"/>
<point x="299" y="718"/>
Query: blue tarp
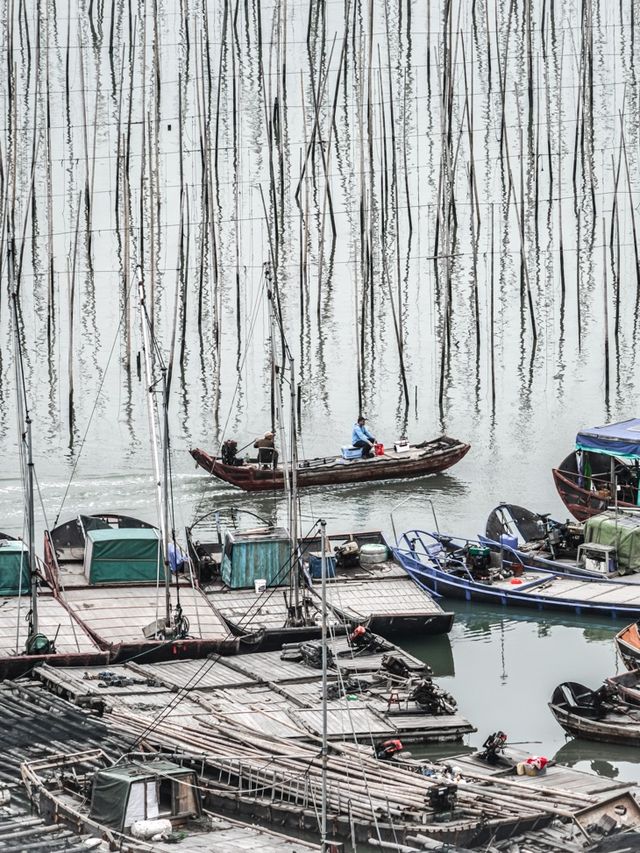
<point x="622" y="439"/>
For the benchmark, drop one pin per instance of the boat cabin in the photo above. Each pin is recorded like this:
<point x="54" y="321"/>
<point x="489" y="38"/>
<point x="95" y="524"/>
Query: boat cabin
<point x="123" y="556"/>
<point x="14" y="568"/>
<point x="103" y="549"/>
<point x="145" y="790"/>
<point x="256" y="558"/>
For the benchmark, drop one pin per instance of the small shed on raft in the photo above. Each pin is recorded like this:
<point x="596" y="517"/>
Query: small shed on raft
<point x="126" y="793"/>
<point x="252" y="555"/>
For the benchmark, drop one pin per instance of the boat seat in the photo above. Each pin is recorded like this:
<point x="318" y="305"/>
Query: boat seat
<point x="267" y="456"/>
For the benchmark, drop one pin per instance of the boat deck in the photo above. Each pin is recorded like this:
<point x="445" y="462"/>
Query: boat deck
<point x="615" y="593"/>
<point x="118" y="614"/>
<point x="261" y="691"/>
<point x="54" y="621"/>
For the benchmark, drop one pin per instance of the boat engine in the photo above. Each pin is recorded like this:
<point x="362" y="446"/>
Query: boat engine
<point x="386" y="750"/>
<point x="442" y="798"/>
<point x="492" y="747"/>
<point x="478" y="560"/>
<point x="347" y="555"/>
<point x="228" y="452"/>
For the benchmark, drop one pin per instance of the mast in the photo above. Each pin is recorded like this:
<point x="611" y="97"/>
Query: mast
<point x="289" y="461"/>
<point x="24" y="421"/>
<point x="163" y="429"/>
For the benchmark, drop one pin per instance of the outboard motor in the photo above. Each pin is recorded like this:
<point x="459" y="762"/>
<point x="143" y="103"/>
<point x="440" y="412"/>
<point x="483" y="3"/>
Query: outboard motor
<point x="228" y="452"/>
<point x="478" y="558"/>
<point x="347" y="555"/>
<point x="492" y="747"/>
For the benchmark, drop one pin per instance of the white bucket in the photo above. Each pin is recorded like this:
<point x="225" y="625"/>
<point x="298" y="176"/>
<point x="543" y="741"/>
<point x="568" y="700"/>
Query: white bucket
<point x="260" y="585"/>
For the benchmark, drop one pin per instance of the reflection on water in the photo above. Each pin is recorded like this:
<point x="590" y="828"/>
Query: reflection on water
<point x="507" y="664"/>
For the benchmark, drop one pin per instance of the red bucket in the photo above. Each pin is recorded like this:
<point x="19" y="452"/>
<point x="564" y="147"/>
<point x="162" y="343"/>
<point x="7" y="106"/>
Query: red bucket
<point x="378" y="449"/>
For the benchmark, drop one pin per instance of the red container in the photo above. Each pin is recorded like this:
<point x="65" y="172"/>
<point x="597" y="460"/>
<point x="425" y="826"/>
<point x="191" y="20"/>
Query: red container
<point x="378" y="449"/>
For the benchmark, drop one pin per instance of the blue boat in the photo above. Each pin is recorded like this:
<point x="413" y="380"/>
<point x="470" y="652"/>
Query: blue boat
<point x="466" y="569"/>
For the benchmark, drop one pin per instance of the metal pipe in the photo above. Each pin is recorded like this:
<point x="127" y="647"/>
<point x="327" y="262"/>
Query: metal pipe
<point x="323" y="574"/>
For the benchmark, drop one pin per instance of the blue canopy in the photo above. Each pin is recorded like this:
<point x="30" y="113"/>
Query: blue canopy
<point x="622" y="439"/>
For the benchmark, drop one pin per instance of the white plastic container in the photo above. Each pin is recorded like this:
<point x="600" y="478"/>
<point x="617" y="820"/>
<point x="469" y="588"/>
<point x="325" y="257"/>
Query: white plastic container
<point x="260" y="585"/>
<point x="373" y="553"/>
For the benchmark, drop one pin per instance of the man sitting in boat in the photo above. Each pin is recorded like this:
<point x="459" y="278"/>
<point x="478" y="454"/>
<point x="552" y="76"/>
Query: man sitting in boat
<point x="362" y="438"/>
<point x="267" y="454"/>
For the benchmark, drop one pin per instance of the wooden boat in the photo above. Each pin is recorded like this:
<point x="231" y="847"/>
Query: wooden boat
<point x="247" y="574"/>
<point x="462" y="568"/>
<point x="625" y="687"/>
<point x="602" y="471"/>
<point x="536" y="538"/>
<point x="59" y="639"/>
<point x="628" y="644"/>
<point x="107" y="568"/>
<point x="124" y="803"/>
<point x="429" y="457"/>
<point x="591" y="715"/>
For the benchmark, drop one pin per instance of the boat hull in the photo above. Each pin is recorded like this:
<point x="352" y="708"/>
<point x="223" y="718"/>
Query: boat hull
<point x="627" y="733"/>
<point x="449" y="586"/>
<point x="581" y="502"/>
<point x="628" y="644"/>
<point x="434" y="456"/>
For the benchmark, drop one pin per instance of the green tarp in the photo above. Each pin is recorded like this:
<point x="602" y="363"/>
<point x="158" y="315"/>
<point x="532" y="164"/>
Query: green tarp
<point x="248" y="557"/>
<point x="621" y="531"/>
<point x="123" y="555"/>
<point x="14" y="568"/>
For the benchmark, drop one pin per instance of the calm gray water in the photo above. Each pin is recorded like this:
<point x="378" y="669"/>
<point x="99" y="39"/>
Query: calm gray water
<point x="480" y="172"/>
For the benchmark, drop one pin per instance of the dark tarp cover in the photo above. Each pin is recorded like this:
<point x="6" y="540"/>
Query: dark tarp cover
<point x="621" y="439"/>
<point x="622" y="531"/>
<point x="14" y="568"/>
<point x="112" y="787"/>
<point x="123" y="555"/>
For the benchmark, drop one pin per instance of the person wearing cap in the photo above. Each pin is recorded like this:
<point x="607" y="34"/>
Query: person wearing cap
<point x="267" y="454"/>
<point x="361" y="437"/>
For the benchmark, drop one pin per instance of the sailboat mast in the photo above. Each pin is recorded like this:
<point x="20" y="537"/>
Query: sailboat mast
<point x="161" y="477"/>
<point x="27" y="450"/>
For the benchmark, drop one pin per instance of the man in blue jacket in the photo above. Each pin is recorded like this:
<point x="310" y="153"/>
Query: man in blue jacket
<point x="361" y="437"/>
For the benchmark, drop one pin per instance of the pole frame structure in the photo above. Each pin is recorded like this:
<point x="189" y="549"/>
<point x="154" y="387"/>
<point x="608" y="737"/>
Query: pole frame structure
<point x="323" y="810"/>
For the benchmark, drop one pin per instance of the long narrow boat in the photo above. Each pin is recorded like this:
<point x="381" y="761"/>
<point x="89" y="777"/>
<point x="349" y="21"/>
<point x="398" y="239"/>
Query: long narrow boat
<point x="602" y="471"/>
<point x="605" y="545"/>
<point x="587" y="714"/>
<point x="108" y="570"/>
<point x="462" y="568"/>
<point x="429" y="457"/>
<point x="145" y="803"/>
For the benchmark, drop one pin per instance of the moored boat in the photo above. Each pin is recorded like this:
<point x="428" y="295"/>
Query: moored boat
<point x="367" y="585"/>
<point x="628" y="644"/>
<point x="109" y="571"/>
<point x="144" y="802"/>
<point x="266" y="591"/>
<point x="602" y="471"/>
<point x="462" y="568"/>
<point x="428" y="457"/>
<point x="591" y="715"/>
<point x="606" y="545"/>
